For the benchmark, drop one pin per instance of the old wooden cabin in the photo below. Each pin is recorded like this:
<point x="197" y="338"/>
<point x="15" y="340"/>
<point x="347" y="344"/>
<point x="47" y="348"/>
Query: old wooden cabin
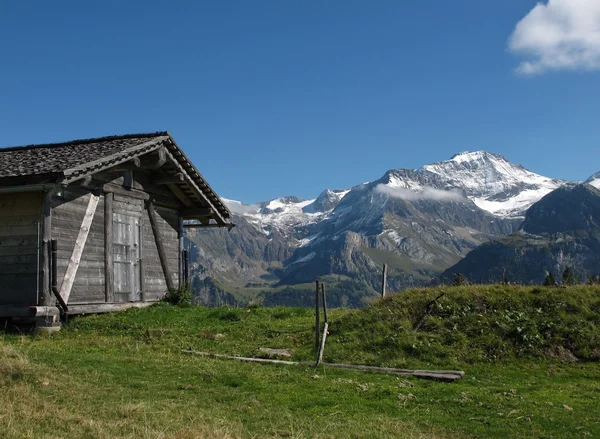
<point x="113" y="208"/>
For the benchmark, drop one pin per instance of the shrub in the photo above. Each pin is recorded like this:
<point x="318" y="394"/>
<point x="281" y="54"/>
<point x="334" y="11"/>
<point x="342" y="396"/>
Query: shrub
<point x="568" y="277"/>
<point x="460" y="280"/>
<point x="179" y="296"/>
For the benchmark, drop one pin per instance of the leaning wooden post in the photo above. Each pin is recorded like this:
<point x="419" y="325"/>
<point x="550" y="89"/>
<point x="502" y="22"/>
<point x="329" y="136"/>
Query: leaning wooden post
<point x="384" y="280"/>
<point x="322" y="346"/>
<point x="162" y="256"/>
<point x="325" y="328"/>
<point x="317" y="316"/>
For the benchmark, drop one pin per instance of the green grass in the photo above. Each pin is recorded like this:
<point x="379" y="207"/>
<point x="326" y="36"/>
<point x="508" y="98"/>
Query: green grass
<point x="124" y="375"/>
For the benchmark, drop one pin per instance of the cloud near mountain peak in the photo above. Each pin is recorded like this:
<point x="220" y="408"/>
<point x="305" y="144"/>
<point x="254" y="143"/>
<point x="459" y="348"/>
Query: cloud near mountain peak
<point x="426" y="193"/>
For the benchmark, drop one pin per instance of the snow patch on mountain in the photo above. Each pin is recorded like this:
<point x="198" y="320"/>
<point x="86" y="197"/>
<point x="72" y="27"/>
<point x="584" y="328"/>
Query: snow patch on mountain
<point x="393" y="236"/>
<point x="512" y="206"/>
<point x="306" y="258"/>
<point x="594" y="180"/>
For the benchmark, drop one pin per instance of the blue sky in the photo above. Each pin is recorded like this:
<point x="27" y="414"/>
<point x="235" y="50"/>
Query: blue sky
<point x="273" y="98"/>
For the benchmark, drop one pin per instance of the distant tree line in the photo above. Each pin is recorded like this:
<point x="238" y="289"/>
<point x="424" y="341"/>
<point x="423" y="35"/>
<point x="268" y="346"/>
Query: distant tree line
<point x="568" y="278"/>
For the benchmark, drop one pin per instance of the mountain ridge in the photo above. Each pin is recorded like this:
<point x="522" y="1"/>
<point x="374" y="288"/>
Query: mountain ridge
<point x="419" y="221"/>
<point x="562" y="229"/>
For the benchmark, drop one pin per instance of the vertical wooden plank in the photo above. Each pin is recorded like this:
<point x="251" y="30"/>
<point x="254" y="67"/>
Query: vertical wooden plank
<point x="45" y="296"/>
<point x="141" y="257"/>
<point x="384" y="280"/>
<point x="84" y="230"/>
<point x="159" y="245"/>
<point x="126" y="258"/>
<point x="180" y="237"/>
<point x="135" y="230"/>
<point x="108" y="246"/>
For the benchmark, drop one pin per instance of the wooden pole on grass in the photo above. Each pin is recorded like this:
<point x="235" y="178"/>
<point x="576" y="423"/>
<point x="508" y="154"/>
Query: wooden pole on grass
<point x="325" y="328"/>
<point x="384" y="280"/>
<point x="317" y="316"/>
<point x="324" y="302"/>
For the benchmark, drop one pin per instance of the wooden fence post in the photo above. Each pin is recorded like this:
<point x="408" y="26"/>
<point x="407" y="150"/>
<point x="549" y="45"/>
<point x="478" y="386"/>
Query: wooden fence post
<point x="325" y="328"/>
<point x="317" y="316"/>
<point x="384" y="280"/>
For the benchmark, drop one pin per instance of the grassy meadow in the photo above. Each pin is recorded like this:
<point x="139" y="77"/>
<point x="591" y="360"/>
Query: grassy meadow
<point x="531" y="357"/>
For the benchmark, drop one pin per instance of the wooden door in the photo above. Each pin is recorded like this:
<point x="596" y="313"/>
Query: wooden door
<point x="126" y="258"/>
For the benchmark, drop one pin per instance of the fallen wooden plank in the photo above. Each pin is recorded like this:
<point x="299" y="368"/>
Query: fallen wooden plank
<point x="437" y="375"/>
<point x="248" y="359"/>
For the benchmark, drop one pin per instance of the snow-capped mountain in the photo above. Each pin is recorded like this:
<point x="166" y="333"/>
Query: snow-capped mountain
<point x="287" y="214"/>
<point x="489" y="180"/>
<point x="419" y="221"/>
<point x="493" y="183"/>
<point x="594" y="180"/>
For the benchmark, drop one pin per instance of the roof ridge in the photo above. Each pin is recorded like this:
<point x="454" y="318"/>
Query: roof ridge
<point x="86" y="141"/>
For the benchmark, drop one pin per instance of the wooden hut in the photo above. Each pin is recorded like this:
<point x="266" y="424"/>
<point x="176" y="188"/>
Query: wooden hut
<point x="114" y="208"/>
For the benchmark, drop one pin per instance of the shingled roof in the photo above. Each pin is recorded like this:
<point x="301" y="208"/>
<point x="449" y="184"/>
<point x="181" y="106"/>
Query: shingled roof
<point x="69" y="161"/>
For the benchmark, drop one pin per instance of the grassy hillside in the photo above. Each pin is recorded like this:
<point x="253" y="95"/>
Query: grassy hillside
<point x="473" y="324"/>
<point x="530" y="356"/>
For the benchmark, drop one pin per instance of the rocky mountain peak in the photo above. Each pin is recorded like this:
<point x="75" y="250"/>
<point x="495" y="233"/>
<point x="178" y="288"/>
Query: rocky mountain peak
<point x="492" y="182"/>
<point x="474" y="156"/>
<point x="281" y="204"/>
<point x="326" y="201"/>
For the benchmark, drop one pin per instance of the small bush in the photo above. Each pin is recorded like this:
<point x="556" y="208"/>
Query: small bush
<point x="179" y="296"/>
<point x="229" y="315"/>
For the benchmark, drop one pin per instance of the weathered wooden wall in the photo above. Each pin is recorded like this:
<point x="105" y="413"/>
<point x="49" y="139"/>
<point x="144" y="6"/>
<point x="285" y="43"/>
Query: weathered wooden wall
<point x="153" y="280"/>
<point x="20" y="217"/>
<point x="67" y="214"/>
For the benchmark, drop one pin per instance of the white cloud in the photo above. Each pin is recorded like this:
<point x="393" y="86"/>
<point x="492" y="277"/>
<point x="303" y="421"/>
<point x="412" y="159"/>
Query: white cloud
<point x="240" y="208"/>
<point x="558" y="35"/>
<point x="426" y="193"/>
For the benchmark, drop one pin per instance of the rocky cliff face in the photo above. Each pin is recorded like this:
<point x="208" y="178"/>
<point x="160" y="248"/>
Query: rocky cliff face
<point x="569" y="208"/>
<point x="562" y="229"/>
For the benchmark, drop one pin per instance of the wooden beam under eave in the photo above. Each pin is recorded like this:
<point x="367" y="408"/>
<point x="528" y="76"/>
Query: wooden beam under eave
<point x="129" y="165"/>
<point x="169" y="179"/>
<point x="133" y="193"/>
<point x="229" y="226"/>
<point x="194" y="187"/>
<point x="180" y="194"/>
<point x="155" y="159"/>
<point x="196" y="212"/>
